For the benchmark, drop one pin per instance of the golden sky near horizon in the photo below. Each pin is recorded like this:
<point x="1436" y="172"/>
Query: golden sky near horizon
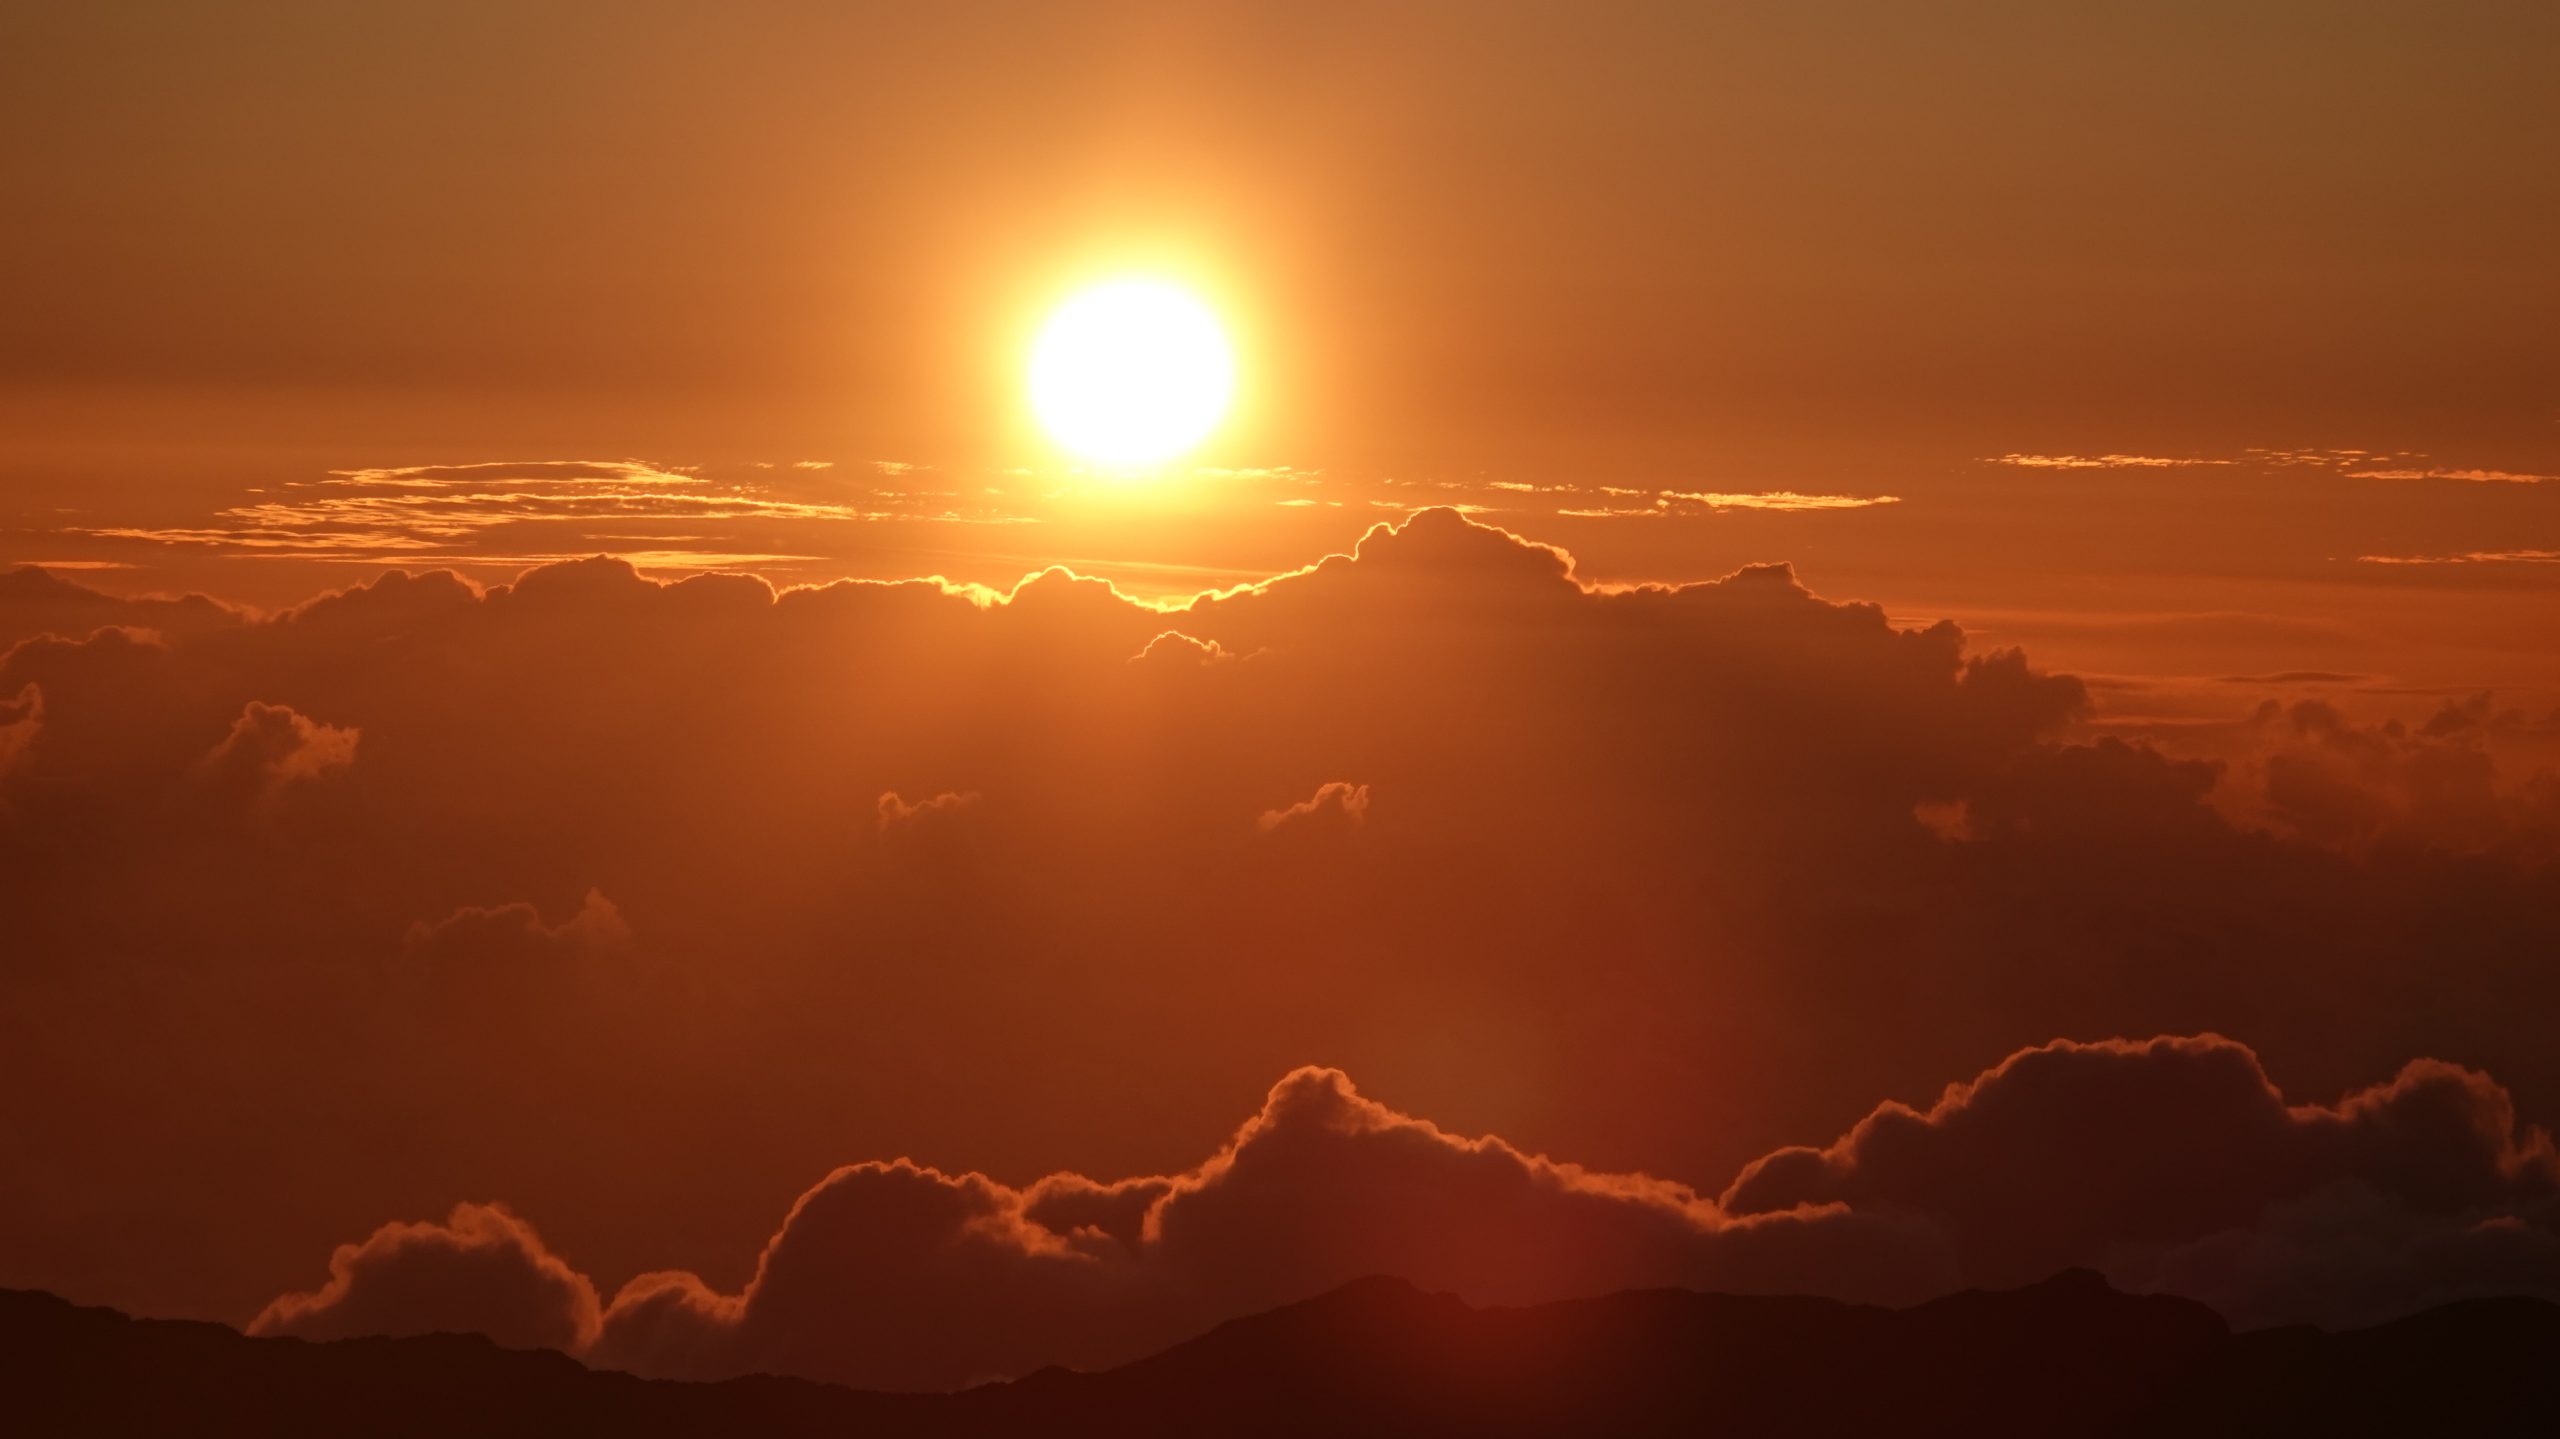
<point x="2085" y="326"/>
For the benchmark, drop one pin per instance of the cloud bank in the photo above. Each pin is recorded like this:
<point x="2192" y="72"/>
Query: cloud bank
<point x="636" y="904"/>
<point x="2172" y="1164"/>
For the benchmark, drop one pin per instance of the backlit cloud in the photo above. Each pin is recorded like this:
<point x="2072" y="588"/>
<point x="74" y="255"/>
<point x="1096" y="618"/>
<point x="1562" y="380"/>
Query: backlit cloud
<point x="2102" y="462"/>
<point x="2469" y="557"/>
<point x="2354" y="464"/>
<point x="1779" y="500"/>
<point x="2485" y="477"/>
<point x="593" y="862"/>
<point x="481" y="1271"/>
<point x="513" y="514"/>
<point x="1335" y="803"/>
<point x="2173" y="1164"/>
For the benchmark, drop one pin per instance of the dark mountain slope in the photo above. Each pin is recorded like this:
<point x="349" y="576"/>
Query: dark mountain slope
<point x="2067" y="1357"/>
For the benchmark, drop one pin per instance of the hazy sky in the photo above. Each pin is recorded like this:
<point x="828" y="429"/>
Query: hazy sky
<point x="1850" y="249"/>
<point x="1449" y="721"/>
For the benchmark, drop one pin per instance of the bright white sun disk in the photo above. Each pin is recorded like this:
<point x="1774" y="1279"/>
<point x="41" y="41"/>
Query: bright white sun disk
<point x="1131" y="372"/>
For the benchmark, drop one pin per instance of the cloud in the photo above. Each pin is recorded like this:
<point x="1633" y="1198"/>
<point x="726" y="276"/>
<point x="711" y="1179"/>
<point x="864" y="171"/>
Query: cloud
<point x="34" y="602"/>
<point x="431" y="510"/>
<point x="516" y="514"/>
<point x="514" y="934"/>
<point x="2300" y="456"/>
<point x="1658" y="876"/>
<point x="2351" y="464"/>
<point x="1175" y="650"/>
<point x="897" y="811"/>
<point x="2307" y="769"/>
<point x="513" y="473"/>
<point x="2477" y="477"/>
<point x="2101" y="1154"/>
<point x="481" y="1271"/>
<point x="21" y="720"/>
<point x="2174" y="1164"/>
<point x="895" y="1275"/>
<point x="2468" y="557"/>
<point x="2101" y="462"/>
<point x="271" y="746"/>
<point x="2352" y="1255"/>
<point x="1334" y="803"/>
<point x="1779" y="500"/>
<point x="1668" y="502"/>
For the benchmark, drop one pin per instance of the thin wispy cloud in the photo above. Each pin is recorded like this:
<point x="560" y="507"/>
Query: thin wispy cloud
<point x="518" y="473"/>
<point x="675" y="560"/>
<point x="2350" y="463"/>
<point x="2477" y="477"/>
<point x="2297" y="456"/>
<point x="2295" y="677"/>
<point x="453" y="514"/>
<point x="1779" y="500"/>
<point x="2470" y="557"/>
<point x="2101" y="462"/>
<point x="1675" y="502"/>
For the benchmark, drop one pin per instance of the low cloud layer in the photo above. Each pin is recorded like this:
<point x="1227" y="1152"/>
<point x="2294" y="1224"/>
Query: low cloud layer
<point x="637" y="903"/>
<point x="2173" y="1164"/>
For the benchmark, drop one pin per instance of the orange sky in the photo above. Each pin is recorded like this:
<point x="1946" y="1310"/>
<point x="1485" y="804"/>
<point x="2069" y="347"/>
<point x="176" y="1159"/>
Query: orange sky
<point x="1843" y="251"/>
<point x="2208" y="353"/>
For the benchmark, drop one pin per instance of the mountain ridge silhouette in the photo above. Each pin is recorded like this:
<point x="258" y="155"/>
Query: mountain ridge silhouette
<point x="2069" y="1356"/>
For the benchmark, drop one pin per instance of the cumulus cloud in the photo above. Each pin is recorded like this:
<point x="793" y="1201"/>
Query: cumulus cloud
<point x="2094" y="1154"/>
<point x="272" y="746"/>
<point x="2351" y="1254"/>
<point x="2310" y="770"/>
<point x="513" y="934"/>
<point x="1174" y="649"/>
<point x="481" y="1271"/>
<point x="894" y="1275"/>
<point x="895" y="810"/>
<point x="34" y="601"/>
<point x="1336" y="804"/>
<point x="1661" y="876"/>
<point x="2173" y="1164"/>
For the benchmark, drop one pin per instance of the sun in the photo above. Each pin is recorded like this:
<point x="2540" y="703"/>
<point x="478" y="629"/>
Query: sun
<point x="1131" y="372"/>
